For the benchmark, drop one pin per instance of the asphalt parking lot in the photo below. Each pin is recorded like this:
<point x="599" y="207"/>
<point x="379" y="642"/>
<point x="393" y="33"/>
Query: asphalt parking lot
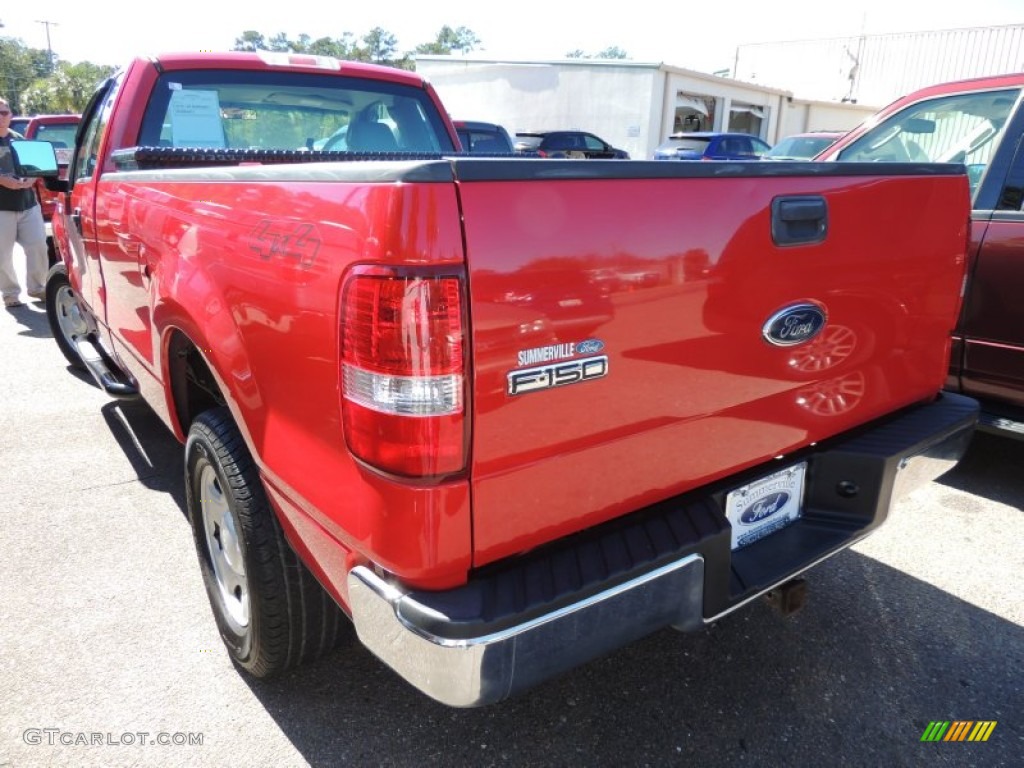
<point x="107" y="644"/>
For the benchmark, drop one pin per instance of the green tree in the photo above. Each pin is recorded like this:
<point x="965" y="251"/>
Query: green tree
<point x="251" y="40"/>
<point x="20" y="67"/>
<point x="282" y="44"/>
<point x="66" y="90"/>
<point x="461" y="40"/>
<point x="379" y="46"/>
<point x="611" y="52"/>
<point x="339" y="47"/>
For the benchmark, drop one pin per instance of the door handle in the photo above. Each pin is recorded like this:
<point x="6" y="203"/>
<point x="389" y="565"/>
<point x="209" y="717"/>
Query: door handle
<point x="799" y="220"/>
<point x="76" y="219"/>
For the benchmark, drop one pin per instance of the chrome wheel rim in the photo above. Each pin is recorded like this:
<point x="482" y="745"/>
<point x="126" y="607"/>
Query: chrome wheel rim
<point x="222" y="542"/>
<point x="69" y="316"/>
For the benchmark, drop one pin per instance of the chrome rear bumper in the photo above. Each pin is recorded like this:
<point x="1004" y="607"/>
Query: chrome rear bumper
<point x="537" y="615"/>
<point x="470" y="672"/>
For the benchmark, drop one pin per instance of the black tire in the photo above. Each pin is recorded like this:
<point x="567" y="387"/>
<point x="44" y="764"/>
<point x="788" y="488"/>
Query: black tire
<point x="291" y="618"/>
<point x="64" y="327"/>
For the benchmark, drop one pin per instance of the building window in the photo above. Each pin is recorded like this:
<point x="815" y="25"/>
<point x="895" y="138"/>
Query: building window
<point x="747" y="118"/>
<point x="693" y="112"/>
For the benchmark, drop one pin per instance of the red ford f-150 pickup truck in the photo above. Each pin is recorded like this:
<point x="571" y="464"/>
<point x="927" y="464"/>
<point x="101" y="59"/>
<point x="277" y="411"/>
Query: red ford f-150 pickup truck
<point x="411" y="384"/>
<point x="980" y="123"/>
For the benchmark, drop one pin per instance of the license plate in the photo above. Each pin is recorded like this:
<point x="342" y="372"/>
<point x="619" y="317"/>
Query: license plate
<point x="765" y="506"/>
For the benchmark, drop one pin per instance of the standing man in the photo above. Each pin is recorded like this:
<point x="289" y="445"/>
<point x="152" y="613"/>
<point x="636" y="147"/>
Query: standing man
<point x="21" y="221"/>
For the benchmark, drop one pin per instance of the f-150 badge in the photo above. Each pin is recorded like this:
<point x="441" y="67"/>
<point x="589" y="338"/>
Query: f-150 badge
<point x="794" y="325"/>
<point x="561" y="369"/>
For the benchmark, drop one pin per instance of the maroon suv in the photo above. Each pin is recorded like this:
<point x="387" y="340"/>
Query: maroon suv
<point x="979" y="123"/>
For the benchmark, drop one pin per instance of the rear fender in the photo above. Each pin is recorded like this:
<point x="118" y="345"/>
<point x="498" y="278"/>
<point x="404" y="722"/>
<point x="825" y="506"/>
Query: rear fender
<point x="219" y="344"/>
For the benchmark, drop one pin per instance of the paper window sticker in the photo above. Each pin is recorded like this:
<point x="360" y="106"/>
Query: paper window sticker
<point x="195" y="119"/>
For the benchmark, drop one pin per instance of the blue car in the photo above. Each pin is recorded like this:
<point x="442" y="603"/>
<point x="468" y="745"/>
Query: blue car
<point x="711" y="146"/>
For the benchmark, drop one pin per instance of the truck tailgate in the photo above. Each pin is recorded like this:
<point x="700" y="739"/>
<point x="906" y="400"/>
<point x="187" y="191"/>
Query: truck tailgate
<point x="641" y="331"/>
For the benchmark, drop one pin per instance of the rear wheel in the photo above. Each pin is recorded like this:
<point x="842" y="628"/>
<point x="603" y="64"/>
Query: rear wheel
<point x="67" y="321"/>
<point x="271" y="611"/>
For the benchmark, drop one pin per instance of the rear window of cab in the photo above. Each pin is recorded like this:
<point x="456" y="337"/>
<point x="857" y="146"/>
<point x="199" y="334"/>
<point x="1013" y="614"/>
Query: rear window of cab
<point x="242" y="109"/>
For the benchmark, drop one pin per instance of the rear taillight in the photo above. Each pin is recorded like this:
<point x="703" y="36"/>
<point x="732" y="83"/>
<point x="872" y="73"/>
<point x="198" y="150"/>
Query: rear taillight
<point x="403" y="371"/>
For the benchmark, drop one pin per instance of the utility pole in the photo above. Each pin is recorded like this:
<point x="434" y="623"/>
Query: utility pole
<point x="49" y="48"/>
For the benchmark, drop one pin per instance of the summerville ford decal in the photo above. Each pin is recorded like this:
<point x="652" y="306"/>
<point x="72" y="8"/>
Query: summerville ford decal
<point x="794" y="324"/>
<point x="766" y="505"/>
<point x="558" y="365"/>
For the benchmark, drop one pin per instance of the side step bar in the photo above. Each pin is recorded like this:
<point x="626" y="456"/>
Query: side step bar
<point x="103" y="370"/>
<point x="1001" y="425"/>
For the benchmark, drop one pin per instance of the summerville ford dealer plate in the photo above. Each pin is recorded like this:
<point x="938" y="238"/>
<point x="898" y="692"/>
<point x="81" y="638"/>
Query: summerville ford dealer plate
<point x="766" y="505"/>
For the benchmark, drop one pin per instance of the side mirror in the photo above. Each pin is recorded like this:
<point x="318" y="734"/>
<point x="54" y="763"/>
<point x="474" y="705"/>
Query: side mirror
<point x="34" y="158"/>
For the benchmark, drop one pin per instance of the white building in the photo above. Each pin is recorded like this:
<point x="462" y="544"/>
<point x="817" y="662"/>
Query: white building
<point x="632" y="105"/>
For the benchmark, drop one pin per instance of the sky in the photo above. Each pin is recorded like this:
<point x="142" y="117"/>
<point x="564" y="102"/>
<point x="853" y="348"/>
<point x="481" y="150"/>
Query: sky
<point x="680" y="34"/>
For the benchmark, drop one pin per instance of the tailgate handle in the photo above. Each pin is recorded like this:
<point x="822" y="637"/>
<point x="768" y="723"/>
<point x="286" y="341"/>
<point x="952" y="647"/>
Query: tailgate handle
<point x="799" y="220"/>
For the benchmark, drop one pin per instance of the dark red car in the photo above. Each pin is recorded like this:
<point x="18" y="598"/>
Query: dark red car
<point x="979" y="123"/>
<point x="60" y="131"/>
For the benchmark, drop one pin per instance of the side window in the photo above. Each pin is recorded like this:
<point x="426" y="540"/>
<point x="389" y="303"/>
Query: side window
<point x="60" y="135"/>
<point x="558" y="141"/>
<point x="96" y="116"/>
<point x="1011" y="197"/>
<point x="85" y="162"/>
<point x="744" y="147"/>
<point x="759" y="147"/>
<point x="961" y="128"/>
<point x="593" y="143"/>
<point x="489" y="143"/>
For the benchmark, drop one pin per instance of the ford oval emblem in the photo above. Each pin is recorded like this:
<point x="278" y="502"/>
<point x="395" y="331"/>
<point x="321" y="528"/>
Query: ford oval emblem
<point x="590" y="346"/>
<point x="764" y="507"/>
<point x="794" y="325"/>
